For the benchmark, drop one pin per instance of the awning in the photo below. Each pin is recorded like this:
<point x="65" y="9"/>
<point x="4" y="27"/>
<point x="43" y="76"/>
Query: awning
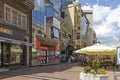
<point x="7" y="40"/>
<point x="48" y="41"/>
<point x="97" y="49"/>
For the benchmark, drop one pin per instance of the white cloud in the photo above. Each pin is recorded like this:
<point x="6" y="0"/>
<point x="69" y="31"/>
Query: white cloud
<point x="100" y="12"/>
<point x="106" y="23"/>
<point x="114" y="16"/>
<point x="88" y="7"/>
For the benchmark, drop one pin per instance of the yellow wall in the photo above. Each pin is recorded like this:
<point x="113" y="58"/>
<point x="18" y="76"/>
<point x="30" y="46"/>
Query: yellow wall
<point x="73" y="20"/>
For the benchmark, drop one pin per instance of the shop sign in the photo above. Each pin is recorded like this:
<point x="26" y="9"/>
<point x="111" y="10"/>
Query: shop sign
<point x="51" y="48"/>
<point x="12" y="32"/>
<point x="78" y="36"/>
<point x="6" y="31"/>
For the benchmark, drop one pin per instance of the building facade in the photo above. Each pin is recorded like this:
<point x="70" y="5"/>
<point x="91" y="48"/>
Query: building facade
<point x="66" y="34"/>
<point x="53" y="29"/>
<point x="46" y="32"/>
<point x="70" y="26"/>
<point x="91" y="35"/>
<point x="84" y="29"/>
<point x="15" y="32"/>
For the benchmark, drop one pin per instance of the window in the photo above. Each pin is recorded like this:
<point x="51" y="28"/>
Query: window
<point x="38" y="17"/>
<point x="54" y="32"/>
<point x="15" y="17"/>
<point x="63" y="14"/>
<point x="7" y="14"/>
<point x="23" y="22"/>
<point x="19" y="19"/>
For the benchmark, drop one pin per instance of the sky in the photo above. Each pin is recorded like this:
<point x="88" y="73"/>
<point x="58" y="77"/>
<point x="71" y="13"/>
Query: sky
<point x="106" y="19"/>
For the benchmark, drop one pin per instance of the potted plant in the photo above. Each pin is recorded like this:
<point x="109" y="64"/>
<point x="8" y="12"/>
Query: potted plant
<point x="94" y="72"/>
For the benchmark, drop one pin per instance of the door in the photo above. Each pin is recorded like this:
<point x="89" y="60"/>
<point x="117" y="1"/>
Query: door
<point x="6" y="54"/>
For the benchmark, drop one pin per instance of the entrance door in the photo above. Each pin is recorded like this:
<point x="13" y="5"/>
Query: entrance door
<point x="6" y="54"/>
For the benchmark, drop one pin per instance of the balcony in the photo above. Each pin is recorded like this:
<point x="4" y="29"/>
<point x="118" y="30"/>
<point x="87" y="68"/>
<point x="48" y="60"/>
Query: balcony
<point x="28" y="3"/>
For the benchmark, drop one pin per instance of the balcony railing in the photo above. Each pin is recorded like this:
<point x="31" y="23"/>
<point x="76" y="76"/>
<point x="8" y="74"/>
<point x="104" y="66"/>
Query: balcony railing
<point x="28" y="3"/>
<point x="32" y="1"/>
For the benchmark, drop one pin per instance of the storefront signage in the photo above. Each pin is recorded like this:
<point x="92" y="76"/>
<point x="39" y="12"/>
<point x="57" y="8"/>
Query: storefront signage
<point x="11" y="32"/>
<point x="6" y="31"/>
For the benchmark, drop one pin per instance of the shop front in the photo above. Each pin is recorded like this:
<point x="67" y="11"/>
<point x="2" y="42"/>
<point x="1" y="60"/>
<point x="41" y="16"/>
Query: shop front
<point x="10" y="54"/>
<point x="45" y="53"/>
<point x="12" y="45"/>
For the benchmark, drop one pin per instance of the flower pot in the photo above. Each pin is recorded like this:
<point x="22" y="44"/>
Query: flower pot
<point x="85" y="76"/>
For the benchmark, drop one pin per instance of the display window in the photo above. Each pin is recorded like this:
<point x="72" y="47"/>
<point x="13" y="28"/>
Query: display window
<point x="51" y="56"/>
<point x="16" y="55"/>
<point x="42" y="56"/>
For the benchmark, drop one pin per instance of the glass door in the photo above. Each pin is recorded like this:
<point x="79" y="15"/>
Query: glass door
<point x="6" y="53"/>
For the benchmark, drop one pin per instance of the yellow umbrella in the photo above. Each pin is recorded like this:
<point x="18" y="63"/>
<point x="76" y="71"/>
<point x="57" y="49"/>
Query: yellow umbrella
<point x="97" y="49"/>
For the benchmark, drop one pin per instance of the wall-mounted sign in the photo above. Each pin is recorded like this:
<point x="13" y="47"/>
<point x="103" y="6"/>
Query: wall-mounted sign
<point x="11" y="32"/>
<point x="56" y="23"/>
<point x="6" y="31"/>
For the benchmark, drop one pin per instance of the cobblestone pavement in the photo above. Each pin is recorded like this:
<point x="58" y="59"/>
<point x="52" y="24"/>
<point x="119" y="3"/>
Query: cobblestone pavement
<point x="61" y="71"/>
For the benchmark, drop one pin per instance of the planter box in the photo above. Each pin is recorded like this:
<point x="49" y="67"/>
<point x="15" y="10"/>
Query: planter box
<point x="84" y="76"/>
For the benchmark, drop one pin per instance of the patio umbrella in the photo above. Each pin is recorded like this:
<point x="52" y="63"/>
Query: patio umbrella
<point x="97" y="49"/>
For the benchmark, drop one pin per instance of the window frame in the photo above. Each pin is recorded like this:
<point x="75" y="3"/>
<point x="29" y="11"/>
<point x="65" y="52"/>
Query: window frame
<point x="17" y="17"/>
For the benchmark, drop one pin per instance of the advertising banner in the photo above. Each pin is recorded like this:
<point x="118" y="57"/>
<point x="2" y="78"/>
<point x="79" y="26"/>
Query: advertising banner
<point x="56" y="23"/>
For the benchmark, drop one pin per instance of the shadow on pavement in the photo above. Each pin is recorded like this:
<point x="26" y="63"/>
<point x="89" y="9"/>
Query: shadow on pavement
<point x="38" y="69"/>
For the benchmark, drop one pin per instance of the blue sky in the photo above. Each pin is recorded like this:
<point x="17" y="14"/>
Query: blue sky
<point x="106" y="19"/>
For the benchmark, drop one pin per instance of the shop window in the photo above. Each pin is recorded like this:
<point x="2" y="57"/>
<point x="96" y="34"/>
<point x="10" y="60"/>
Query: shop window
<point x="52" y="53"/>
<point x="16" y="54"/>
<point x="41" y="57"/>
